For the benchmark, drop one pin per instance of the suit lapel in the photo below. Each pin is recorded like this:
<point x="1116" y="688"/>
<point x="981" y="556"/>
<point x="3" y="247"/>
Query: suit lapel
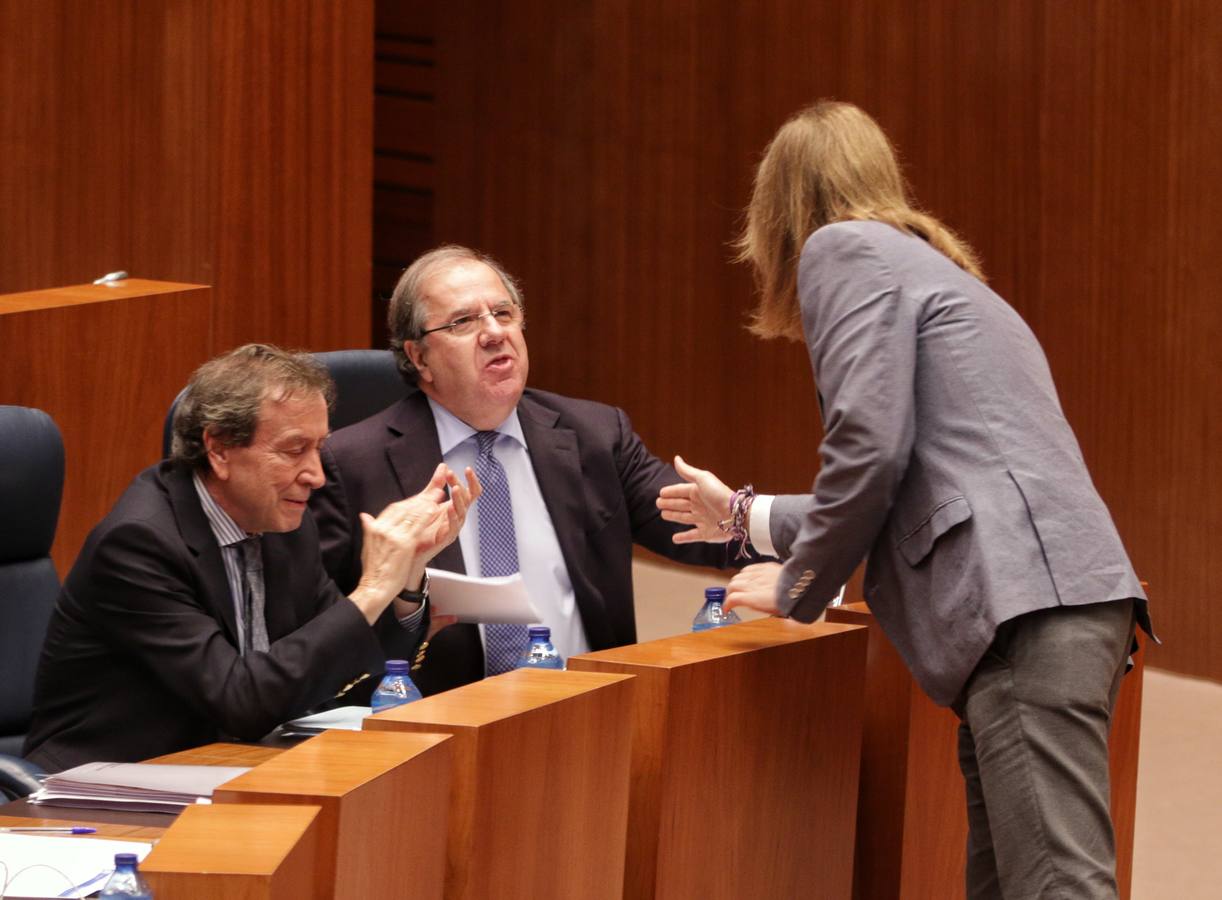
<point x="197" y="533"/>
<point x="281" y="591"/>
<point x="413" y="452"/>
<point x="556" y="459"/>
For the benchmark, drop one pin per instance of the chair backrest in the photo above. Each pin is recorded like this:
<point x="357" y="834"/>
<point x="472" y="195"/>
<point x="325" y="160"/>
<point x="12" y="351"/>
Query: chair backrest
<point x="366" y="382"/>
<point x="31" y="486"/>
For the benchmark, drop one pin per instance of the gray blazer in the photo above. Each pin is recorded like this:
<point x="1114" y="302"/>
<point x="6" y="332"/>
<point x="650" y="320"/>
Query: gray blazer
<point x="946" y="458"/>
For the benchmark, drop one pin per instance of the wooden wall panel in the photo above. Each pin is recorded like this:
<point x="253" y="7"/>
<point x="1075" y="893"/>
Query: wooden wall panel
<point x="205" y="141"/>
<point x="405" y="145"/>
<point x="603" y="151"/>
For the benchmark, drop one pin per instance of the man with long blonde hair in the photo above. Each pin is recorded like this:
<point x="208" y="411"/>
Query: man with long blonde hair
<point x="993" y="565"/>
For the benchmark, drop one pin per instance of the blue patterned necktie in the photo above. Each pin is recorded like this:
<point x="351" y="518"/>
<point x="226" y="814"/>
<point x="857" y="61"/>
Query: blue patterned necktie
<point x="498" y="552"/>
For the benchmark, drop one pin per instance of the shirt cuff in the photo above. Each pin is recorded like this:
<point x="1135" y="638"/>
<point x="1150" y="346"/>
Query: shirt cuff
<point x="411" y="622"/>
<point x="759" y="525"/>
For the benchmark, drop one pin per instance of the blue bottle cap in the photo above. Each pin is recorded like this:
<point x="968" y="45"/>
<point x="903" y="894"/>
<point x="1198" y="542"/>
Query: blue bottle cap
<point x="540" y="633"/>
<point x="125" y="859"/>
<point x="715" y="593"/>
<point x="397" y="667"/>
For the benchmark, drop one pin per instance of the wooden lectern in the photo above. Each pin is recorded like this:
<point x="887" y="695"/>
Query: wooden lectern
<point x="237" y="853"/>
<point x="539" y="792"/>
<point x="744" y="760"/>
<point x="912" y="818"/>
<point x="383" y="798"/>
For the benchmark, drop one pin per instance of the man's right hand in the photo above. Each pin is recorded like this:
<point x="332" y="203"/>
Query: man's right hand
<point x="403" y="537"/>
<point x="702" y="501"/>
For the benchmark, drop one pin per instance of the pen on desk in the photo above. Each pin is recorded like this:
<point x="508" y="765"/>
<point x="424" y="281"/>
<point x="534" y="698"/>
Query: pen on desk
<point x="47" y="829"/>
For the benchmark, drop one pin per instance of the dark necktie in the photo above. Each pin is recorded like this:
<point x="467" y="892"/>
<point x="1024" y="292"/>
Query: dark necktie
<point x="498" y="552"/>
<point x="253" y="614"/>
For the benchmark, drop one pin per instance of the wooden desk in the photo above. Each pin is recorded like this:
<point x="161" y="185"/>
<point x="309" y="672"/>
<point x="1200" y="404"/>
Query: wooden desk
<point x="744" y="760"/>
<point x="539" y="797"/>
<point x="238" y="852"/>
<point x="104" y="361"/>
<point x="384" y="797"/>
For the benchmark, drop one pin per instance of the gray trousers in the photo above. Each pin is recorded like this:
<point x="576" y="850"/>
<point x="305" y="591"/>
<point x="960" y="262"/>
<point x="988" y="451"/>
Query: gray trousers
<point x="1033" y="750"/>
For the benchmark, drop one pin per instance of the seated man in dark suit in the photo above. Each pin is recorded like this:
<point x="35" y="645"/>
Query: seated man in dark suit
<point x="568" y="486"/>
<point x="199" y="607"/>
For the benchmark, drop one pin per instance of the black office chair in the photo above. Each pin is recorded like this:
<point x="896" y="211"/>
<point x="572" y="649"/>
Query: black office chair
<point x="31" y="485"/>
<point x="366" y="382"/>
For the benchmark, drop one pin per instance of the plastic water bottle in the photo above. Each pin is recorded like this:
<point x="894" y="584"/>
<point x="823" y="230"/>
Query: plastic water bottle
<point x="540" y="653"/>
<point x="127" y="882"/>
<point x="396" y="688"/>
<point x="713" y="614"/>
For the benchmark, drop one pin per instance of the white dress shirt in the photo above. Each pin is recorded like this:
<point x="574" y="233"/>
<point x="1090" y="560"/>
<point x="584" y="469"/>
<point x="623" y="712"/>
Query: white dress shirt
<point x="539" y="557"/>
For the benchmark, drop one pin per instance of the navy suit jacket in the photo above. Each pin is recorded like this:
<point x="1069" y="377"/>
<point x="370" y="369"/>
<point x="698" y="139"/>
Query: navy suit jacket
<point x="599" y="483"/>
<point x="141" y="655"/>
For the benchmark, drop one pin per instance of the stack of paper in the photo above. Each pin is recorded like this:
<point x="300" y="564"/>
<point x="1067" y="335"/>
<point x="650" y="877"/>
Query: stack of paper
<point x="344" y="718"/>
<point x="136" y="787"/>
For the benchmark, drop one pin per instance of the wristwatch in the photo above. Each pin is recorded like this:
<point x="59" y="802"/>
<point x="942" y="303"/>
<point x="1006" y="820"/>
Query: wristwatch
<point x="421" y="596"/>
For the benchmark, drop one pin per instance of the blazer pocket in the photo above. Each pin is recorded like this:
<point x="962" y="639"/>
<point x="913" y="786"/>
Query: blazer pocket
<point x="917" y="543"/>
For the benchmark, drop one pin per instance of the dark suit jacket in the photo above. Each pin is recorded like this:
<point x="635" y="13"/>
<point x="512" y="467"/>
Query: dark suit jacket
<point x="599" y="484"/>
<point x="141" y="654"/>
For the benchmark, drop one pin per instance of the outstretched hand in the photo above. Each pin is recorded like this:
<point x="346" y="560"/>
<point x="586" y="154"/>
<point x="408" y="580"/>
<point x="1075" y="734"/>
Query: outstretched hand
<point x="755" y="588"/>
<point x="703" y="502"/>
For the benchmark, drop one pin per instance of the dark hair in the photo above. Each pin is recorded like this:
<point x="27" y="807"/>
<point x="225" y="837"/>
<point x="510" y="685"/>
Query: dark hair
<point x="224" y="396"/>
<point x="405" y="317"/>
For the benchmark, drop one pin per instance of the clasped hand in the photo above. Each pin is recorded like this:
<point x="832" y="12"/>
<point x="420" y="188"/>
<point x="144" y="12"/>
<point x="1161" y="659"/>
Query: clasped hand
<point x="401" y="540"/>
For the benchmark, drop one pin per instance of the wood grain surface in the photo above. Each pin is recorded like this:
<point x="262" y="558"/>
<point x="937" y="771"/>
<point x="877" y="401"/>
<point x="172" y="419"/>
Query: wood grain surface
<point x="383" y="801"/>
<point x="603" y="151"/>
<point x="539" y="797"/>
<point x="744" y="770"/>
<point x="238" y="852"/>
<point x="208" y="141"/>
<point x="98" y="360"/>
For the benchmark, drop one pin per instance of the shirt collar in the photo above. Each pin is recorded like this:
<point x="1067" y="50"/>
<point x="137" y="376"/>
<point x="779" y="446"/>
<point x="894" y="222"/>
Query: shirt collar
<point x="452" y="431"/>
<point x="224" y="529"/>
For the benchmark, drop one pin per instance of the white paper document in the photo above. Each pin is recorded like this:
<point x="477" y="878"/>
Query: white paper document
<point x="343" y="718"/>
<point x="492" y="600"/>
<point x="42" y="866"/>
<point x="135" y="787"/>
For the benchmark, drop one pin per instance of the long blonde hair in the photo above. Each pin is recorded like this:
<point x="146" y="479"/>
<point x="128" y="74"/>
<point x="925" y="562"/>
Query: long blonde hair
<point x="829" y="163"/>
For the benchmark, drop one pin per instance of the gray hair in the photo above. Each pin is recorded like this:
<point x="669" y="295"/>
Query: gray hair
<point x="405" y="317"/>
<point x="225" y="394"/>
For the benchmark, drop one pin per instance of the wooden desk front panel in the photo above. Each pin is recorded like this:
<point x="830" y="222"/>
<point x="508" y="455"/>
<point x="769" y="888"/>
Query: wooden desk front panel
<point x="383" y="798"/>
<point x="237" y="852"/>
<point x="744" y="776"/>
<point x="104" y="362"/>
<point x="539" y="797"/>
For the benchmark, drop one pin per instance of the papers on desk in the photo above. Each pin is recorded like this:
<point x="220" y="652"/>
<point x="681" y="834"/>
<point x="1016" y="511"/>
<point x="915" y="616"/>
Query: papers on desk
<point x="135" y="787"/>
<point x="343" y="718"/>
<point x="63" y="866"/>
<point x="503" y="599"/>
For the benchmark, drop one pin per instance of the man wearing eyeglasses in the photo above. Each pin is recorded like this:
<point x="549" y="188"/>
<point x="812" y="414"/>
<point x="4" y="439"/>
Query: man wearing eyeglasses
<point x="577" y="485"/>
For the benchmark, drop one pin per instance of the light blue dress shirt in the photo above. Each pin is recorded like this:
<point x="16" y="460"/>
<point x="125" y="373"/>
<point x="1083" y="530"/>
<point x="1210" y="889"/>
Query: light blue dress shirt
<point x="539" y="557"/>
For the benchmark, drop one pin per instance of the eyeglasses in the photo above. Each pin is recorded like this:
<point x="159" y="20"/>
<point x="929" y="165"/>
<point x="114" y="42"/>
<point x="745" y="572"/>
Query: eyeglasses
<point x="507" y="315"/>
